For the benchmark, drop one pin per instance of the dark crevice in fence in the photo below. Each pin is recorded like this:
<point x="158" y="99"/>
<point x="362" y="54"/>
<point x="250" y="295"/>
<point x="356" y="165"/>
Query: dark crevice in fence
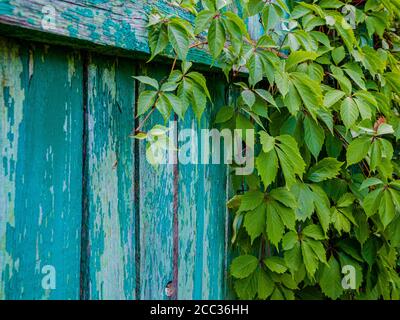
<point x="136" y="186"/>
<point x="85" y="249"/>
<point x="175" y="218"/>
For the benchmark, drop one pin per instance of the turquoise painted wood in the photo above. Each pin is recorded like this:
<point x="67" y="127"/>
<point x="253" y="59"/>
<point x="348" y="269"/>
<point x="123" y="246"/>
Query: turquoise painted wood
<point x="202" y="225"/>
<point x="110" y="245"/>
<point x="40" y="177"/>
<point x="156" y="218"/>
<point x="77" y="193"/>
<point x="117" y="24"/>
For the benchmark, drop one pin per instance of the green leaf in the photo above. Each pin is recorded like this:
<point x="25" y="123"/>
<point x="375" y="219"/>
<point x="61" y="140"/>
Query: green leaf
<point x="331" y="279"/>
<point x="275" y="227"/>
<point x="254" y="6"/>
<point x="224" y="114"/>
<point x="235" y="19"/>
<point x="267" y="141"/>
<point x="297" y="57"/>
<point x="158" y="40"/>
<point x="289" y="240"/>
<point x="309" y="91"/>
<point x="246" y="288"/>
<point x="265" y="284"/>
<point x="357" y="150"/>
<point x="282" y="82"/>
<point x="251" y="200"/>
<point x="372" y="201"/>
<point x="327" y="168"/>
<point x="322" y="206"/>
<point x="349" y="112"/>
<point x="271" y="15"/>
<point x="255" y="67"/>
<point x="243" y="266"/>
<point x="338" y="54"/>
<point x="249" y="97"/>
<point x="293" y="257"/>
<point x="387" y="210"/>
<point x="179" y="39"/>
<point x="340" y="221"/>
<point x="198" y="100"/>
<point x="314" y="231"/>
<point x="309" y="258"/>
<point x="370" y="182"/>
<point x="356" y="76"/>
<point x="286" y="214"/>
<point x="292" y="100"/>
<point x="305" y="199"/>
<point x="254" y="222"/>
<point x="216" y="37"/>
<point x="200" y="80"/>
<point x="291" y="162"/>
<point x="288" y="282"/>
<point x="146" y="101"/>
<point x="284" y="196"/>
<point x="318" y="249"/>
<point x="275" y="264"/>
<point x="169" y="86"/>
<point x="346" y="200"/>
<point x="267" y="167"/>
<point x="332" y="97"/>
<point x="264" y="94"/>
<point x="164" y="106"/>
<point x="176" y="104"/>
<point x="314" y="136"/>
<point x="344" y="82"/>
<point x="202" y="20"/>
<point x="147" y="80"/>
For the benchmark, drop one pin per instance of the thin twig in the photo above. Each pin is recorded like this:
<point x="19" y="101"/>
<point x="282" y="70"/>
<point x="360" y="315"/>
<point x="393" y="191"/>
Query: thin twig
<point x="145" y="119"/>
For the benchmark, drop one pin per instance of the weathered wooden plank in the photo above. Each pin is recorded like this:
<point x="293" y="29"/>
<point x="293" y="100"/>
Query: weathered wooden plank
<point x="202" y="212"/>
<point x="110" y="264"/>
<point x="215" y="208"/>
<point x="156" y="214"/>
<point x="112" y="23"/>
<point x="40" y="177"/>
<point x="190" y="214"/>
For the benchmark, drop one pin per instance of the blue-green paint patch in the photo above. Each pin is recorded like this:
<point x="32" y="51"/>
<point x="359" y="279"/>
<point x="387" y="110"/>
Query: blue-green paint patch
<point x="6" y="7"/>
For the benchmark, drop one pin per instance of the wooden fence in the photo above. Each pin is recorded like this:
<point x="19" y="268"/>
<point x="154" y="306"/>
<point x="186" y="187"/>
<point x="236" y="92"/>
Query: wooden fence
<point x="77" y="195"/>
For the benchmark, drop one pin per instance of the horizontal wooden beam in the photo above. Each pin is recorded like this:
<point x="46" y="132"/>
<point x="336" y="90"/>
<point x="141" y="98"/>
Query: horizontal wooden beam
<point x="112" y="24"/>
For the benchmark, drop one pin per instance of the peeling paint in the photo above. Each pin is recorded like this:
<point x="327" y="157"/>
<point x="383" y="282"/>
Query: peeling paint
<point x="12" y="96"/>
<point x="38" y="218"/>
<point x="111" y="210"/>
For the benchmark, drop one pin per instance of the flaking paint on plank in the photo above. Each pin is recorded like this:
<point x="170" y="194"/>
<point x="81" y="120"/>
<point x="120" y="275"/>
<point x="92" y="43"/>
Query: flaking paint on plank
<point x="110" y="154"/>
<point x="202" y="206"/>
<point x="40" y="211"/>
<point x="190" y="212"/>
<point x="215" y="208"/>
<point x="156" y="214"/>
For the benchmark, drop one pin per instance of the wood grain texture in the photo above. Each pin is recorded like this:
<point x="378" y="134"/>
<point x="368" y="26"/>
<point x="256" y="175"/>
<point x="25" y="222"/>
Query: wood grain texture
<point x="202" y="212"/>
<point x="156" y="213"/>
<point x="110" y="156"/>
<point x="40" y="176"/>
<point x="215" y="209"/>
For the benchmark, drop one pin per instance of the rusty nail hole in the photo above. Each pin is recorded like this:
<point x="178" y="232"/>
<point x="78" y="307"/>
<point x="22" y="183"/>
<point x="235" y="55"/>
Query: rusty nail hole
<point x="169" y="289"/>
